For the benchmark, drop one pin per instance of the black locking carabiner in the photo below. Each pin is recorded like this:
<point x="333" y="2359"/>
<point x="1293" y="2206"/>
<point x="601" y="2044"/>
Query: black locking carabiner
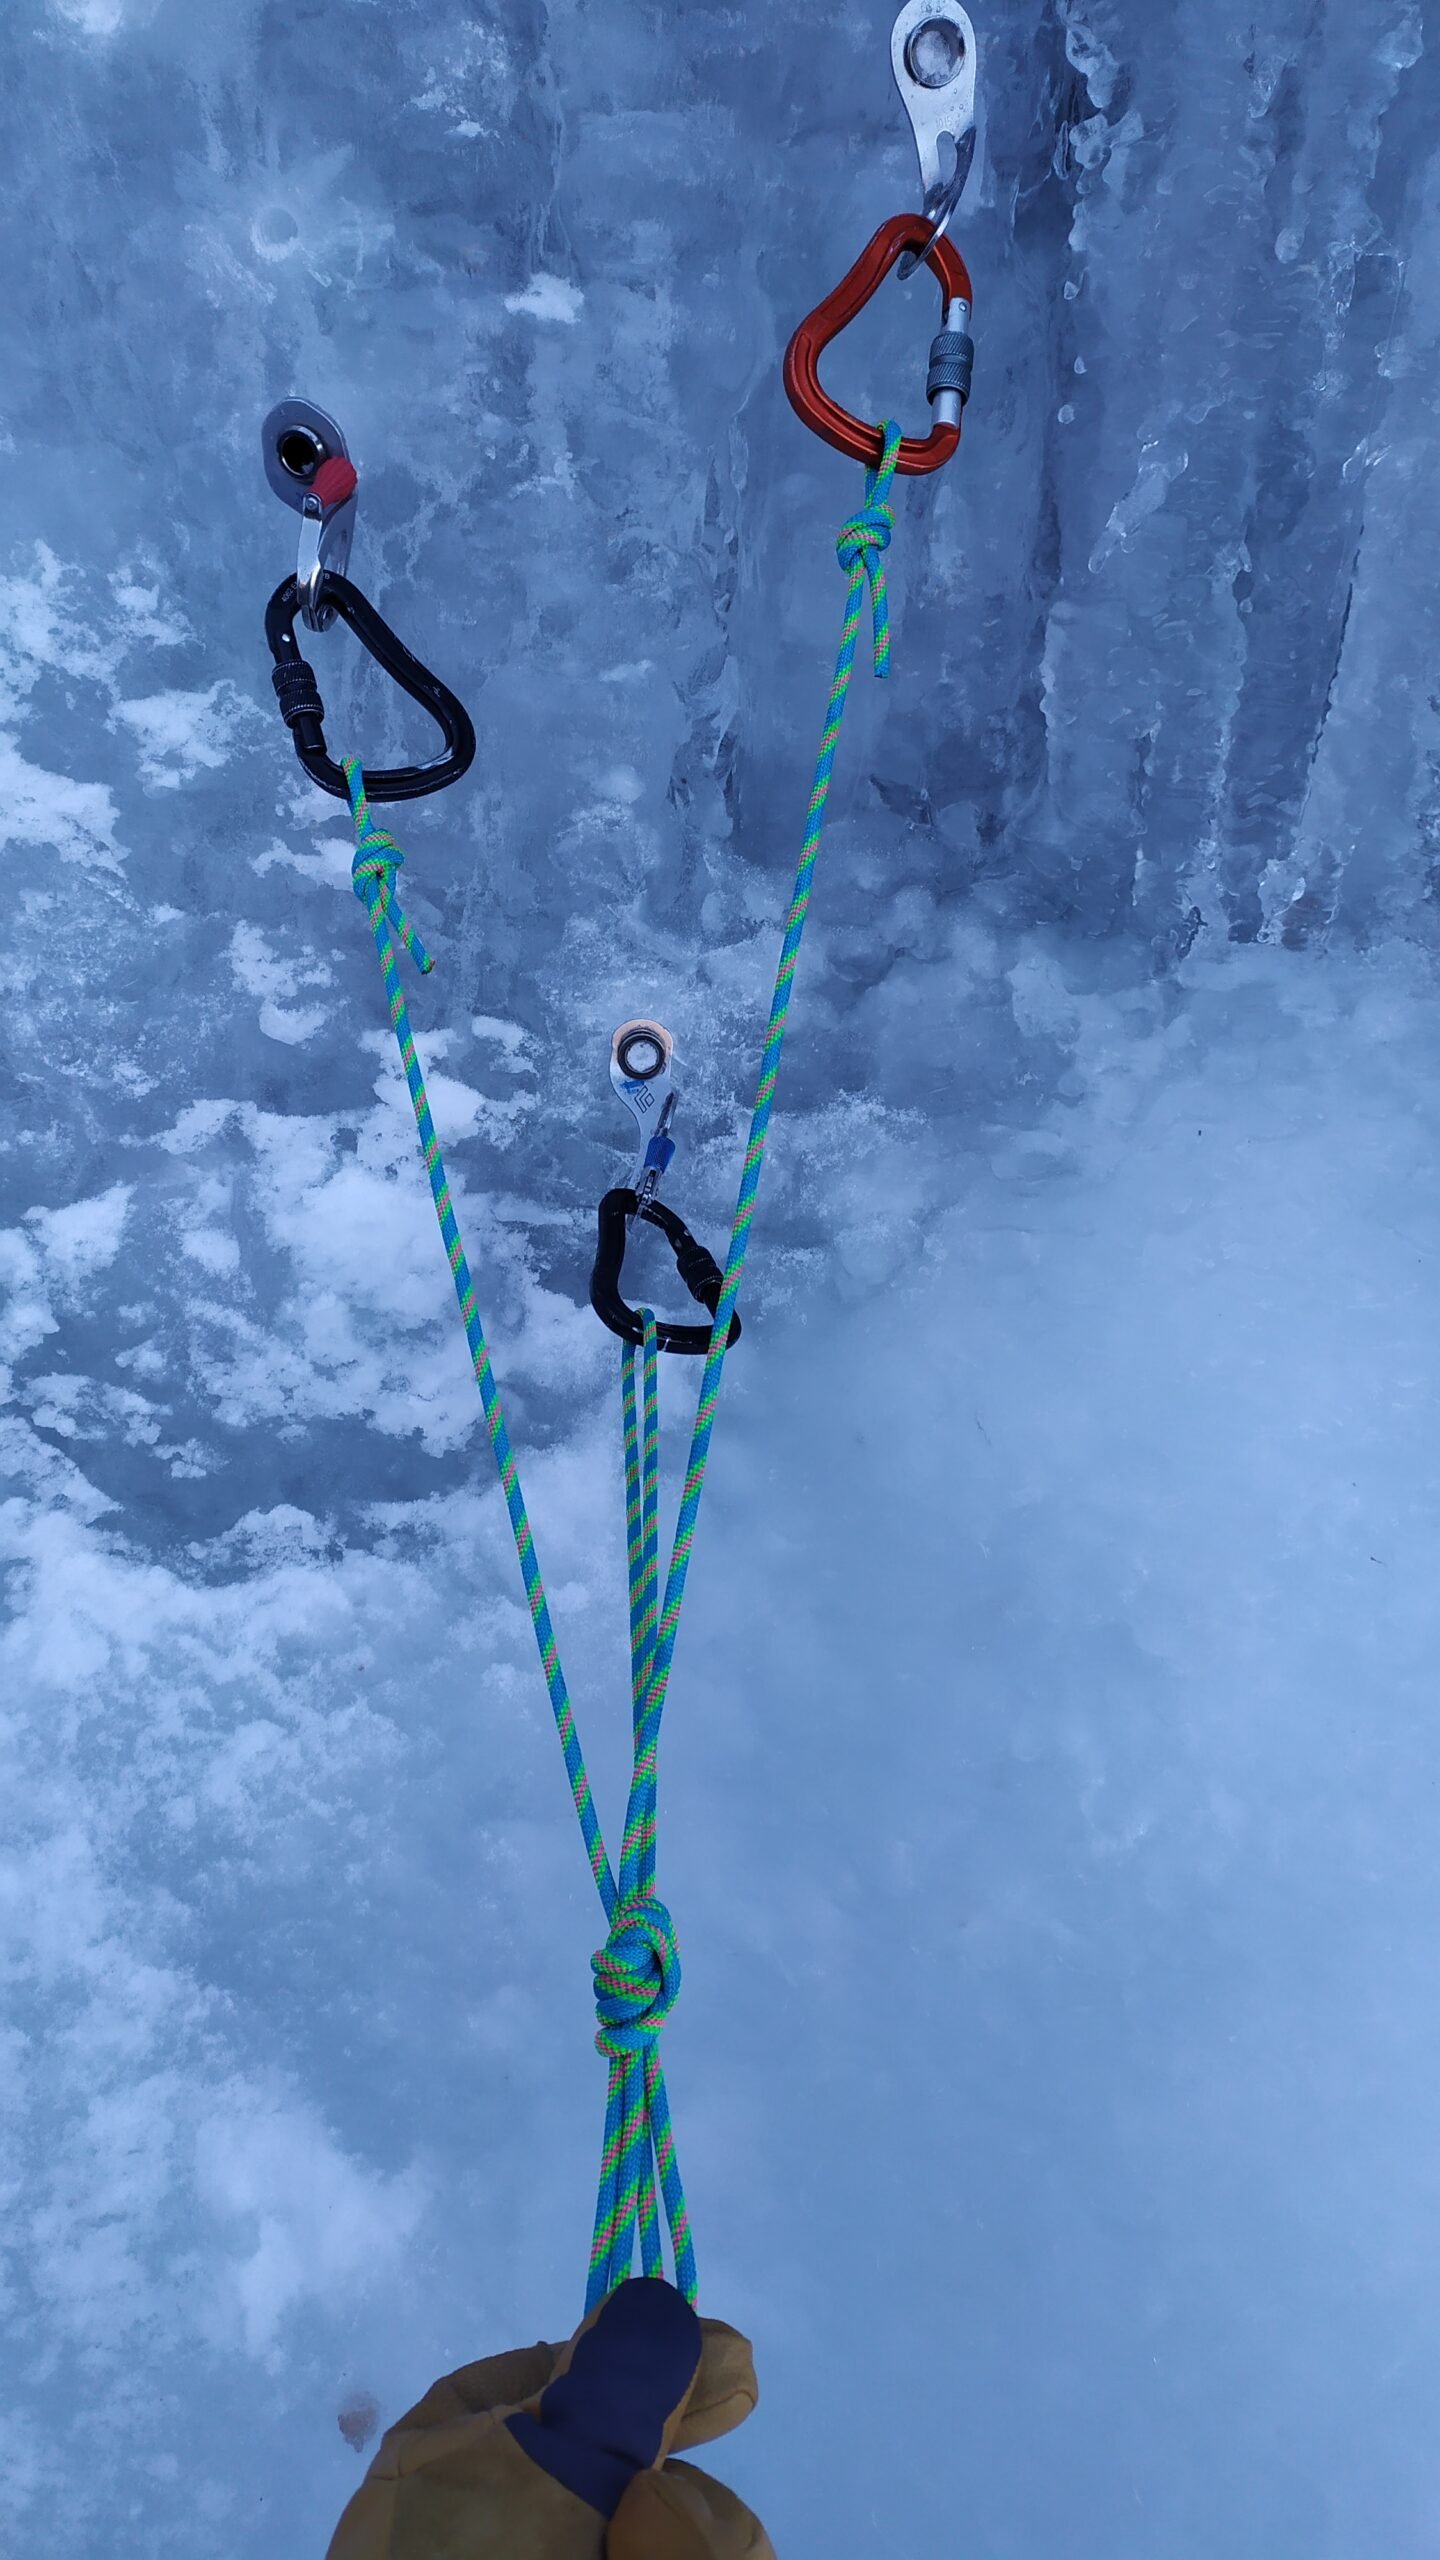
<point x="697" y="1267"/>
<point x="303" y="711"/>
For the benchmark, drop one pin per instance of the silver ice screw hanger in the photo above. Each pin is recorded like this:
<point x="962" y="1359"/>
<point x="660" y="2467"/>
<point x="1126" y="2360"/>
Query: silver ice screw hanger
<point x="300" y="443"/>
<point x="932" y="50"/>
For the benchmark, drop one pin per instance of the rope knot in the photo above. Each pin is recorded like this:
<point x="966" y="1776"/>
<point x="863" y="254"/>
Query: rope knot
<point x="372" y="874"/>
<point x="860" y="547"/>
<point x="377" y="859"/>
<point x="637" y="1977"/>
<point x="864" y="537"/>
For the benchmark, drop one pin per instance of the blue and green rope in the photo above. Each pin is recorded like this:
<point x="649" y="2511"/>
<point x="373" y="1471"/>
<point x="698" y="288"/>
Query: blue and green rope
<point x="637" y="1971"/>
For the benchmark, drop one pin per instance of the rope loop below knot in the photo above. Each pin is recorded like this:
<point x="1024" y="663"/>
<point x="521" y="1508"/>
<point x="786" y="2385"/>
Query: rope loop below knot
<point x="637" y="1977"/>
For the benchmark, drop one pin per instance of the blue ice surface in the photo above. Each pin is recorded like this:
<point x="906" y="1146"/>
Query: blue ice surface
<point x="1050" y="1787"/>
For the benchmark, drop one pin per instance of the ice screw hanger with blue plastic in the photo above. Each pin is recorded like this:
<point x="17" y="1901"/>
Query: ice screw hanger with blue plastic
<point x="308" y="466"/>
<point x="640" y="1070"/>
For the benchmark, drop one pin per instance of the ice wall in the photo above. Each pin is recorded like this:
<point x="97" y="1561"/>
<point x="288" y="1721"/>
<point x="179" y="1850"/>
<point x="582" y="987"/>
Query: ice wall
<point x="1051" y="1774"/>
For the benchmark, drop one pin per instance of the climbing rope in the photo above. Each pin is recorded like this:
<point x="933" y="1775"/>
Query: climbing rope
<point x="637" y="1971"/>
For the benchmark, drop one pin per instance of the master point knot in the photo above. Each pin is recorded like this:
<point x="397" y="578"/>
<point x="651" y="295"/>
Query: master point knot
<point x="864" y="537"/>
<point x="637" y="1977"/>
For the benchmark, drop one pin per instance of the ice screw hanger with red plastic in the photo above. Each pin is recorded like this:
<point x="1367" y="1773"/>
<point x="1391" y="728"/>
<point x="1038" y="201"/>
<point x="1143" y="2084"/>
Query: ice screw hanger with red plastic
<point x="308" y="466"/>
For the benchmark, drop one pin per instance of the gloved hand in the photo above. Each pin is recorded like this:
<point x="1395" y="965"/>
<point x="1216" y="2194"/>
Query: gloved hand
<point x="562" y="2453"/>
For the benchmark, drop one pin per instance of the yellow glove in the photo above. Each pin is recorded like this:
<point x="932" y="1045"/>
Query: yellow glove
<point x="562" y="2453"/>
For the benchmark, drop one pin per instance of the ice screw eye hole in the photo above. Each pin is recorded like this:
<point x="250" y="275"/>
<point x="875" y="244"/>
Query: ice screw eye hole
<point x="935" y="53"/>
<point x="301" y="454"/>
<point x="641" y="1056"/>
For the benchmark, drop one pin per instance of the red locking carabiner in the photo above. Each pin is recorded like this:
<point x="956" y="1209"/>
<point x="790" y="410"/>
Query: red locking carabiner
<point x="950" y="355"/>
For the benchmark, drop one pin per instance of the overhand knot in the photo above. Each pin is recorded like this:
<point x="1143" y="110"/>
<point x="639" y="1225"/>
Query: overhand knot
<point x="637" y="1977"/>
<point x="377" y="859"/>
<point x="864" y="537"/>
<point x="372" y="873"/>
<point x="860" y="547"/>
